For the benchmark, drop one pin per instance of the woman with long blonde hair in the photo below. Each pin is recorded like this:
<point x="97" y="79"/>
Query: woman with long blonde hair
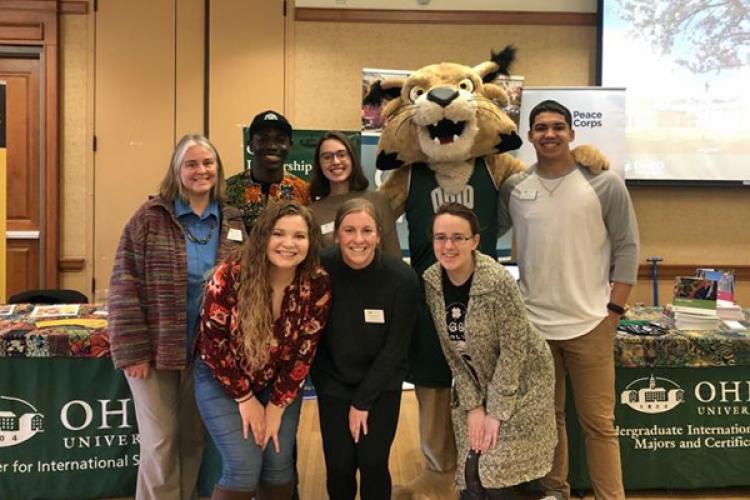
<point x="262" y="315"/>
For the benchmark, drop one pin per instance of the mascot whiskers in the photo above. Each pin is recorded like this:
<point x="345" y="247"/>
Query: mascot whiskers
<point x="446" y="138"/>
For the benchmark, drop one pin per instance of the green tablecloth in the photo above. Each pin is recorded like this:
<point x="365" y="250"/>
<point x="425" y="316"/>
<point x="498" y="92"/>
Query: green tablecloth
<point x="682" y="410"/>
<point x="68" y="430"/>
<point x="67" y="420"/>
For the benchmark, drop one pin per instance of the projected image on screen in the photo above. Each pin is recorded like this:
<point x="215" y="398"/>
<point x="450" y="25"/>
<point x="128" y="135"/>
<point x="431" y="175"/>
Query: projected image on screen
<point x="686" y="67"/>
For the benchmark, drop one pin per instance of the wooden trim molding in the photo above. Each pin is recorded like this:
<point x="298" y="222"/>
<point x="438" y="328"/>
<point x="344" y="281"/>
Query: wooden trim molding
<point x="74" y="7"/>
<point x="63" y="6"/>
<point x="505" y="17"/>
<point x="29" y="5"/>
<point x="71" y="264"/>
<point x="668" y="272"/>
<point x="25" y="32"/>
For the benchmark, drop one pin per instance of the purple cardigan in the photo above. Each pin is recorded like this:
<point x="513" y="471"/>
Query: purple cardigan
<point x="148" y="289"/>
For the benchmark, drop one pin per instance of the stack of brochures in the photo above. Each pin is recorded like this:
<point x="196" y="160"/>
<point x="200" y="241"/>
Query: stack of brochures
<point x="729" y="310"/>
<point x="694" y="303"/>
<point x="684" y="320"/>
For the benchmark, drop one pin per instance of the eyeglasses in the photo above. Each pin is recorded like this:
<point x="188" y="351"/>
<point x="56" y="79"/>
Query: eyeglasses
<point x="341" y="154"/>
<point x="456" y="239"/>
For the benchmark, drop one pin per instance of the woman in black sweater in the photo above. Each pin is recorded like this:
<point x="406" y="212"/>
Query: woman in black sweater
<point x="362" y="355"/>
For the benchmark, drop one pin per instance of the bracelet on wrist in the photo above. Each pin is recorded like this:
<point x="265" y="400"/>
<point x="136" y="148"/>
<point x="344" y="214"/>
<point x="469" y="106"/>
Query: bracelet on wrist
<point x="616" y="308"/>
<point x="245" y="398"/>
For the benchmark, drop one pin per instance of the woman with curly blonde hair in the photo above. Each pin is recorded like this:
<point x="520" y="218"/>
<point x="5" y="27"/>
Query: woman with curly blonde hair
<point x="262" y="316"/>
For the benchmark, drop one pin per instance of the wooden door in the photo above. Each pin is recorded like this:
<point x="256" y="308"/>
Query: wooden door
<point x="24" y="167"/>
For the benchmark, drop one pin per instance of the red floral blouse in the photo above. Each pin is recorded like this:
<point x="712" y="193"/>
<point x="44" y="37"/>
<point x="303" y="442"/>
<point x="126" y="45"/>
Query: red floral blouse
<point x="296" y="332"/>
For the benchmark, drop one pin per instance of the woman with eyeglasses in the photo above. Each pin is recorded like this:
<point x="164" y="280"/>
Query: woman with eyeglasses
<point x="337" y="177"/>
<point x="362" y="359"/>
<point x="503" y="378"/>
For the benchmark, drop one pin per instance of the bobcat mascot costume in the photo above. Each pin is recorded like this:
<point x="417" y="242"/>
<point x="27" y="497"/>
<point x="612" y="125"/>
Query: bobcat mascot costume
<point x="446" y="139"/>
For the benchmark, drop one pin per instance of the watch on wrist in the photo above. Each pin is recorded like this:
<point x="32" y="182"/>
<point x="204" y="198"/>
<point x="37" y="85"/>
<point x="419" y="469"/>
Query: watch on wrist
<point x="615" y="308"/>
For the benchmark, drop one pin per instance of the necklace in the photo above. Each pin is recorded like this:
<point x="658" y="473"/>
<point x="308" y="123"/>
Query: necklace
<point x="551" y="191"/>
<point x="200" y="241"/>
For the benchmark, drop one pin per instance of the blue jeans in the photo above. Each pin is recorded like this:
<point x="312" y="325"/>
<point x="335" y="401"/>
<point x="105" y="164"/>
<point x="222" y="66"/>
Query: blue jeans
<point x="244" y="463"/>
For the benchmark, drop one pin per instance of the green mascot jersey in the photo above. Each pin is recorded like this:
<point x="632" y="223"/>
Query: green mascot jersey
<point x="427" y="364"/>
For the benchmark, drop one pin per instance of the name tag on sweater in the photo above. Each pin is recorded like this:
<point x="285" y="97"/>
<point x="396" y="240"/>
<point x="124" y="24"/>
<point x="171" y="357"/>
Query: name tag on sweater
<point x="234" y="234"/>
<point x="526" y="194"/>
<point x="374" y="316"/>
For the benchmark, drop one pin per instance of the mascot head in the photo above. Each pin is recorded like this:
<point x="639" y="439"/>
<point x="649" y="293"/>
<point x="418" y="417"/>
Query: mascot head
<point x="445" y="114"/>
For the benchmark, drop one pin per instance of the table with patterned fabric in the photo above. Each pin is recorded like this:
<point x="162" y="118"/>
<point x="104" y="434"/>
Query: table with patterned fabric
<point x="681" y="349"/>
<point x="67" y="421"/>
<point x="83" y="335"/>
<point x="682" y="408"/>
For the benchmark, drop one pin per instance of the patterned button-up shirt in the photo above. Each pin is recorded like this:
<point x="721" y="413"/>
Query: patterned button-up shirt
<point x="250" y="196"/>
<point x="296" y="333"/>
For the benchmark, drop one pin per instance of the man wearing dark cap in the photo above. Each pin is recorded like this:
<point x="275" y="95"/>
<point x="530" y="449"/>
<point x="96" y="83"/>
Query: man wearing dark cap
<point x="270" y="139"/>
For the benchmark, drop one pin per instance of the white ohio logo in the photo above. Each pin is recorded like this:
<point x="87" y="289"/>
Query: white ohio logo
<point x="15" y="427"/>
<point x="652" y="395"/>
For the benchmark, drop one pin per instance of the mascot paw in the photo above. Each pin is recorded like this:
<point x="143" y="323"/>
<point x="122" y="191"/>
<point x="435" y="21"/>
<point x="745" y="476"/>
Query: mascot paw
<point x="591" y="158"/>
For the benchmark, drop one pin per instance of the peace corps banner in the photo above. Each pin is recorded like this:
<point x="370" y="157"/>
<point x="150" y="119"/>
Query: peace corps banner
<point x="598" y="119"/>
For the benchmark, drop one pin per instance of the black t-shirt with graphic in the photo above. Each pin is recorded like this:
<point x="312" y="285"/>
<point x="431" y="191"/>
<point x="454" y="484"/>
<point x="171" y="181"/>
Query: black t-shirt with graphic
<point x="456" y="303"/>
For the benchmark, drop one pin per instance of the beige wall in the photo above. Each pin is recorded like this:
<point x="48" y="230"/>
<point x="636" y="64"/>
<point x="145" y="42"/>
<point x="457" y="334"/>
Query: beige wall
<point x="189" y="66"/>
<point x="134" y="115"/>
<point x="329" y="57"/>
<point x="321" y="66"/>
<point x="247" y="70"/>
<point x="697" y="225"/>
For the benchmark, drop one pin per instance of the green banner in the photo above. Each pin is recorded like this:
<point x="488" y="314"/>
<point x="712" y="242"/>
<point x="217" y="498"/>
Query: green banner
<point x="302" y="152"/>
<point x="682" y="428"/>
<point x="67" y="429"/>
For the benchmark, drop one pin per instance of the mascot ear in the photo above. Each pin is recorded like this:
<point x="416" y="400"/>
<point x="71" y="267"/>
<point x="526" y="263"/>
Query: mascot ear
<point x="383" y="90"/>
<point x="508" y="142"/>
<point x="496" y="93"/>
<point x="499" y="64"/>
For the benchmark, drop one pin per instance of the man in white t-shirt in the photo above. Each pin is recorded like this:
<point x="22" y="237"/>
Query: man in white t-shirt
<point x="577" y="246"/>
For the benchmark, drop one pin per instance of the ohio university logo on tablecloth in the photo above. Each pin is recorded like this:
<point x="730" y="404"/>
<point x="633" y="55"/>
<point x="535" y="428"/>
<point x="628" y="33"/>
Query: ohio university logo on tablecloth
<point x="652" y="395"/>
<point x="707" y="409"/>
<point x="19" y="421"/>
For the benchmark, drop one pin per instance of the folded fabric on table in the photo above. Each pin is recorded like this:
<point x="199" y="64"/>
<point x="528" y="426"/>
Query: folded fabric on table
<point x="100" y="345"/>
<point x="14" y="343"/>
<point x="37" y="345"/>
<point x="59" y="343"/>
<point x="80" y="342"/>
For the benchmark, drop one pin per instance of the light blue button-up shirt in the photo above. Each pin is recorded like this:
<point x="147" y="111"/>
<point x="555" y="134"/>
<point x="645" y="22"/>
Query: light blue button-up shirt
<point x="200" y="258"/>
